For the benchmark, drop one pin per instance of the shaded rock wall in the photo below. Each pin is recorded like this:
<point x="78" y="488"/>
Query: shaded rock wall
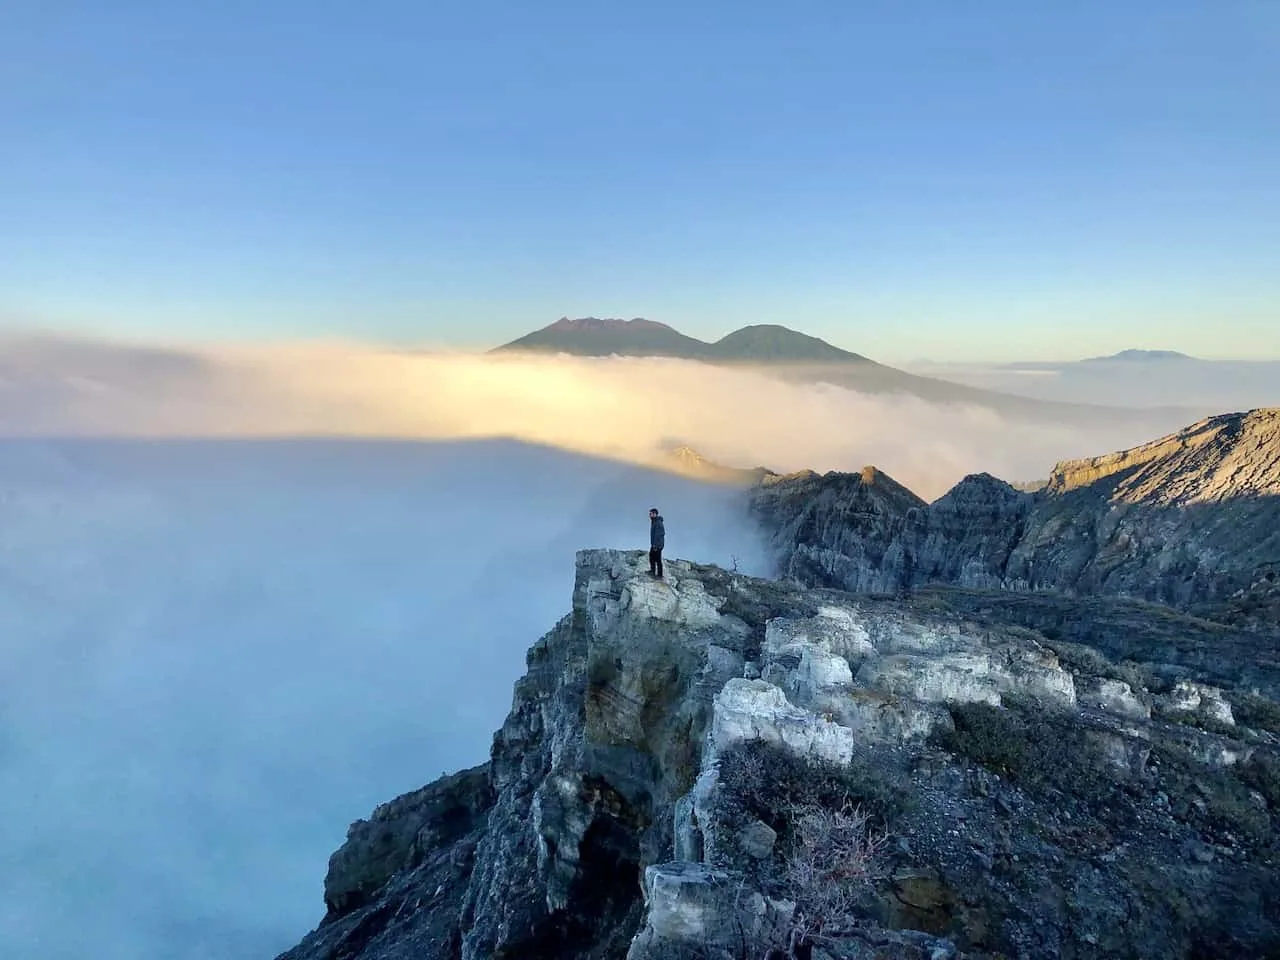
<point x="1191" y="520"/>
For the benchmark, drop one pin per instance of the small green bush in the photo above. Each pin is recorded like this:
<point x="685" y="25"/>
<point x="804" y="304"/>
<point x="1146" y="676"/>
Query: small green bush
<point x="1215" y="800"/>
<point x="764" y="779"/>
<point x="1256" y="712"/>
<point x="1262" y="773"/>
<point x="1041" y="752"/>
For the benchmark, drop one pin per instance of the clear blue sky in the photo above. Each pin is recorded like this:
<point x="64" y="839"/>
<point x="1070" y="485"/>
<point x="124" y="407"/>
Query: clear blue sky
<point x="984" y="179"/>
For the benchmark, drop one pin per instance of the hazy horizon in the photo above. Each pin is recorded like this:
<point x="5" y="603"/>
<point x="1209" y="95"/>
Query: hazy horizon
<point x="906" y="356"/>
<point x="1225" y="385"/>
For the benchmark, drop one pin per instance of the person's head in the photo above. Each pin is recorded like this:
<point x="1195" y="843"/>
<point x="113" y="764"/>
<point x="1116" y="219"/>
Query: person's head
<point x="653" y="513"/>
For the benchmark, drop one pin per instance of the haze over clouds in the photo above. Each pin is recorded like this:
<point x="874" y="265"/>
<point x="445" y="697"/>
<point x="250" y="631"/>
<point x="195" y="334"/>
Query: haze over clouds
<point x="626" y="408"/>
<point x="1216" y="385"/>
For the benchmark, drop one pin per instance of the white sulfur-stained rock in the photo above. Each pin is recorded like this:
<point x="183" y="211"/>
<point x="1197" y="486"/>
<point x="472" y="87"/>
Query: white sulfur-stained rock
<point x="1035" y="674"/>
<point x="1200" y="699"/>
<point x="693" y="904"/>
<point x="951" y="679"/>
<point x="834" y="629"/>
<point x="684" y="601"/>
<point x="811" y="676"/>
<point x="757" y="710"/>
<point x="1115" y="697"/>
<point x="884" y="718"/>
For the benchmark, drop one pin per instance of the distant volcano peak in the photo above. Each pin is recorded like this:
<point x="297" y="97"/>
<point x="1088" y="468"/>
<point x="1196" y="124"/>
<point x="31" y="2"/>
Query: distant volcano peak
<point x="567" y="324"/>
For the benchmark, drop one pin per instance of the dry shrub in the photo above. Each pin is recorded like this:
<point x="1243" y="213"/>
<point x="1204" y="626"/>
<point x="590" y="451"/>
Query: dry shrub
<point x="836" y="855"/>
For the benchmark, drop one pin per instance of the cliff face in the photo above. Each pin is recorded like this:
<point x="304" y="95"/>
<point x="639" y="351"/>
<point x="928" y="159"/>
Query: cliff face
<point x="1217" y="459"/>
<point x="682" y="759"/>
<point x="1191" y="520"/>
<point x="840" y="529"/>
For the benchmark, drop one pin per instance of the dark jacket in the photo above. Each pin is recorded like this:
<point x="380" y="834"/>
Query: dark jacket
<point x="657" y="534"/>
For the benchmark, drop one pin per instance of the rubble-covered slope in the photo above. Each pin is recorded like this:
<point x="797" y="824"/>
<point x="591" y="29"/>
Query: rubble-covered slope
<point x="1191" y="520"/>
<point x="683" y="756"/>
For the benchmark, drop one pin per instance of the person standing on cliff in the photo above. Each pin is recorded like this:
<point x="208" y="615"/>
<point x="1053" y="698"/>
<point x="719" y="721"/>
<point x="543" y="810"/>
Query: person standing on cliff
<point x="657" y="540"/>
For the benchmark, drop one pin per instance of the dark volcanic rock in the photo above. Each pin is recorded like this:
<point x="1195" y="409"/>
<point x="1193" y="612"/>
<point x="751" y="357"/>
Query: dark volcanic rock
<point x="401" y="833"/>
<point x="841" y="529"/>
<point x="1191" y="520"/>
<point x="967" y="536"/>
<point x="394" y="890"/>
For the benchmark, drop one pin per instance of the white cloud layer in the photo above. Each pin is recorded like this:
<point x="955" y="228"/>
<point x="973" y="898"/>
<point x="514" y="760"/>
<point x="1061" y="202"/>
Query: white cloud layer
<point x="627" y="408"/>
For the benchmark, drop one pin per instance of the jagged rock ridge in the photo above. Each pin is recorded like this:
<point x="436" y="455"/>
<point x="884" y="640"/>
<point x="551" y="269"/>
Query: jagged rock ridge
<point x="648" y="793"/>
<point x="1191" y="520"/>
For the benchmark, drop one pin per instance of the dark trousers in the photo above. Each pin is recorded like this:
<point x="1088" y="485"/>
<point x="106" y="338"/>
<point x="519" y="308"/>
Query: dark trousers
<point x="655" y="561"/>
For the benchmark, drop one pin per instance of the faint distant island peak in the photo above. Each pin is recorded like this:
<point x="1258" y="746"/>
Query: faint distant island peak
<point x="1144" y="356"/>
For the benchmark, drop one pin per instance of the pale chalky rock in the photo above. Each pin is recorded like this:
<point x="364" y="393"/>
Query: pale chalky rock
<point x="756" y="710"/>
<point x="1200" y="699"/>
<point x="691" y="905"/>
<point x="1116" y="697"/>
<point x="952" y="679"/>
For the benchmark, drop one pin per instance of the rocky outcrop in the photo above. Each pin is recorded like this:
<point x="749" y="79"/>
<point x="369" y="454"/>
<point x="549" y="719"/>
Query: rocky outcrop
<point x="714" y="766"/>
<point x="395" y="889"/>
<point x="967" y="536"/>
<point x="1191" y="521"/>
<point x="843" y="529"/>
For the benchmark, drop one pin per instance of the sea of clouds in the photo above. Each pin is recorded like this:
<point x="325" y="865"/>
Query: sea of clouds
<point x="214" y="655"/>
<point x="247" y="593"/>
<point x="627" y="408"/>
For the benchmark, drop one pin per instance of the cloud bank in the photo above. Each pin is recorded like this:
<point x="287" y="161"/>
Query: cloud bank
<point x="631" y="409"/>
<point x="215" y="655"/>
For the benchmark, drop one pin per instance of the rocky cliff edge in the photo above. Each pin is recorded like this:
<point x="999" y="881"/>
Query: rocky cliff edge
<point x="715" y="766"/>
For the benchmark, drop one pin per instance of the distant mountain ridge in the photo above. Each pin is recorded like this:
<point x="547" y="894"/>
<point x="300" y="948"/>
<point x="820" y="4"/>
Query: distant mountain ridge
<point x="800" y="358"/>
<point x="638" y="337"/>
<point x="1140" y="356"/>
<point x="1191" y="520"/>
<point x="1121" y="358"/>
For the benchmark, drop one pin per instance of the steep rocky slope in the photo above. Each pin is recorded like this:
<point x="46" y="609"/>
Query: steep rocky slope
<point x="683" y="758"/>
<point x="1191" y="520"/>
